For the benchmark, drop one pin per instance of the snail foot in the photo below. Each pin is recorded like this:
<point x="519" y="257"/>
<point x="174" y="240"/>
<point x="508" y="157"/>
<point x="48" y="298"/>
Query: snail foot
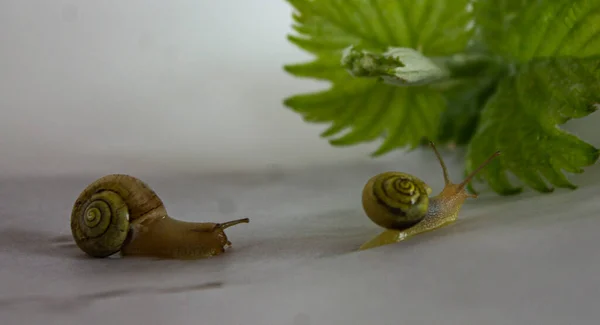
<point x="387" y="237"/>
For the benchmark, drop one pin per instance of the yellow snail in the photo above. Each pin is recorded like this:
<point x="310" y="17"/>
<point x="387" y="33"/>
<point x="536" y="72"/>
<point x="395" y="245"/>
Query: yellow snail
<point x="400" y="203"/>
<point x="120" y="213"/>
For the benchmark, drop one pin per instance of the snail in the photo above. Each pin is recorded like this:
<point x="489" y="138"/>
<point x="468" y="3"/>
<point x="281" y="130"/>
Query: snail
<point x="120" y="213"/>
<point x="400" y="203"/>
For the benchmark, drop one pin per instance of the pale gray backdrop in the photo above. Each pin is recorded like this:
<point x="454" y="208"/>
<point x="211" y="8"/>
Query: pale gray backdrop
<point x="157" y="88"/>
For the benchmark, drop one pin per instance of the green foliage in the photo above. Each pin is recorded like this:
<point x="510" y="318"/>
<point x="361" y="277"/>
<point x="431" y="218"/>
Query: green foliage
<point x="520" y="120"/>
<point x="521" y="30"/>
<point x="367" y="107"/>
<point x="518" y="70"/>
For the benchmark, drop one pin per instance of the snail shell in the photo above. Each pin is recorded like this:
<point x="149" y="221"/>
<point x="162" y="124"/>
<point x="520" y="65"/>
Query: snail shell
<point x="101" y="215"/>
<point x="120" y="213"/>
<point x="395" y="200"/>
<point x="400" y="203"/>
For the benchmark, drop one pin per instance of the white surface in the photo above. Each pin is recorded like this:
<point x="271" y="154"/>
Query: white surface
<point x="150" y="86"/>
<point x="530" y="259"/>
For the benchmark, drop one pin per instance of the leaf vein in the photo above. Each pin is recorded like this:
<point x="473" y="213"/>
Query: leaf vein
<point x="574" y="28"/>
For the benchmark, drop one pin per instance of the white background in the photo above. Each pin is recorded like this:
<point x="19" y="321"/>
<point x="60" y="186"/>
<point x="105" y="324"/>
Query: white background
<point x="155" y="85"/>
<point x="146" y="86"/>
<point x="151" y="85"/>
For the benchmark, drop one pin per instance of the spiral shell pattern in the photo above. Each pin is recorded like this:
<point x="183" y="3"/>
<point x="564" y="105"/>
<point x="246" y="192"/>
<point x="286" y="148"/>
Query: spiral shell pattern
<point x="102" y="213"/>
<point x="401" y="200"/>
<point x="100" y="224"/>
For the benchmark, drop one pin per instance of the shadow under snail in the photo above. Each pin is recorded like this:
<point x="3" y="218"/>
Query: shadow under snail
<point x="120" y="213"/>
<point x="400" y="203"/>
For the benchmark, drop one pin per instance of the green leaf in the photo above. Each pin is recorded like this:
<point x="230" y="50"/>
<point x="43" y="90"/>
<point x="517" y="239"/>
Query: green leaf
<point x="464" y="102"/>
<point x="555" y="48"/>
<point x="521" y="30"/>
<point x="372" y="109"/>
<point x="368" y="109"/>
<point x="465" y="98"/>
<point x="521" y="120"/>
<point x="434" y="27"/>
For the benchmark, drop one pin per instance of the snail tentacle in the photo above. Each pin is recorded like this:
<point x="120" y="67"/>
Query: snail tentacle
<point x="399" y="203"/>
<point x="120" y="213"/>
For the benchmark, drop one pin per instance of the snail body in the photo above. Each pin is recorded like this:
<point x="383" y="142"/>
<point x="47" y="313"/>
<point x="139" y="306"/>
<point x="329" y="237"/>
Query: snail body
<point x="120" y="213"/>
<point x="400" y="203"/>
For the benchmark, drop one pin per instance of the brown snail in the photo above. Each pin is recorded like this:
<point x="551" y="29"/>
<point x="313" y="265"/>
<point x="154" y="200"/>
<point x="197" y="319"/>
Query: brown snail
<point x="400" y="203"/>
<point x="120" y="213"/>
